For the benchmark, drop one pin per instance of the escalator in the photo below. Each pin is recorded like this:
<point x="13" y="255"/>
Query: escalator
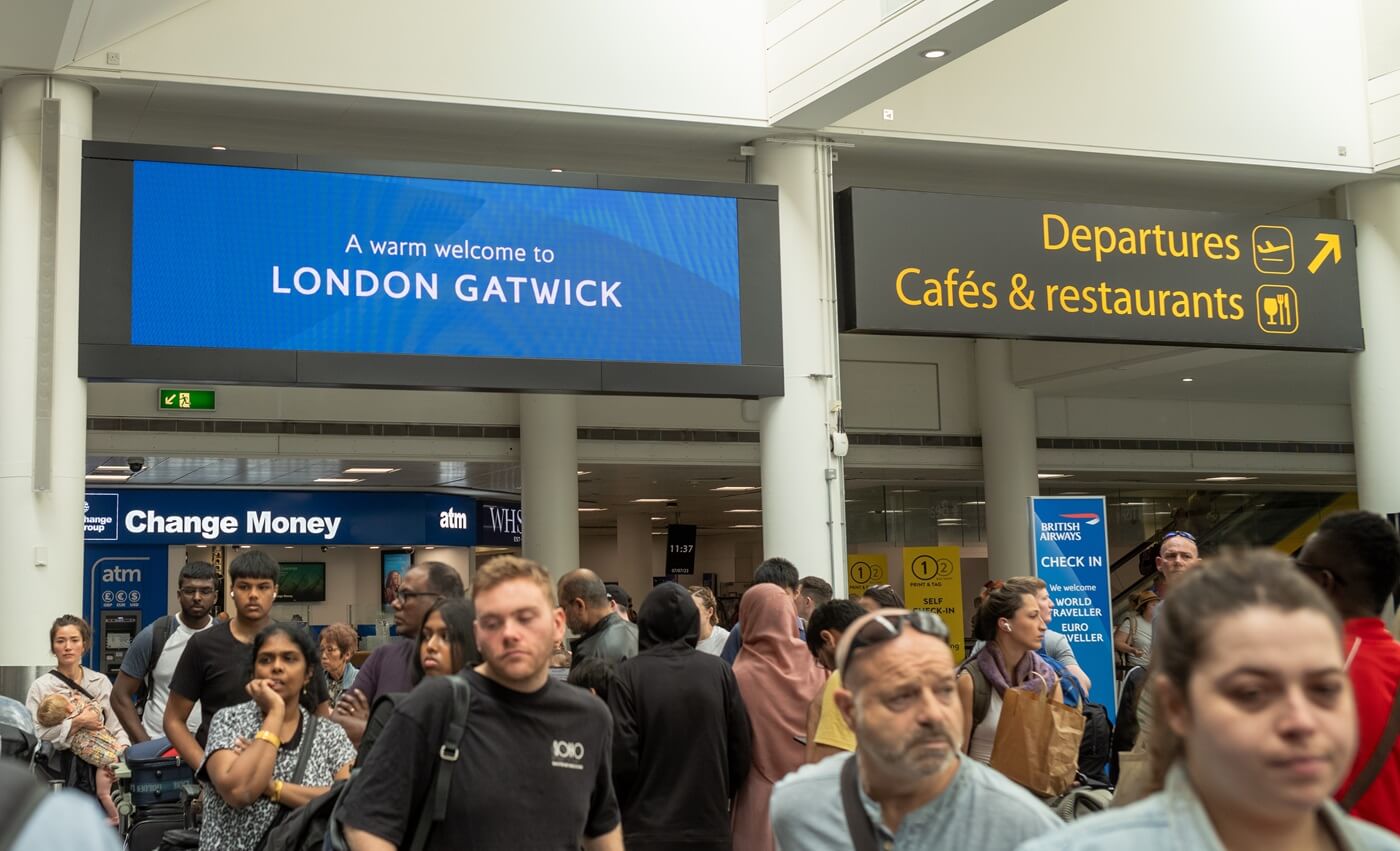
<point x="1281" y="521"/>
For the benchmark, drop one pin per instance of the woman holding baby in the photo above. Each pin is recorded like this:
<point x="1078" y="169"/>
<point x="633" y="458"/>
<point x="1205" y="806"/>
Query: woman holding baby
<point x="72" y="706"/>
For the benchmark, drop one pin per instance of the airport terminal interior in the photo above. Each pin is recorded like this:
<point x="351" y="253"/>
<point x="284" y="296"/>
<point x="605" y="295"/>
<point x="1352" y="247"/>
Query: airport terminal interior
<point x="917" y="293"/>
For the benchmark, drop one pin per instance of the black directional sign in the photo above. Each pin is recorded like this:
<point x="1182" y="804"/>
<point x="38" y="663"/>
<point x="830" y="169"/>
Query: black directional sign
<point x="969" y="266"/>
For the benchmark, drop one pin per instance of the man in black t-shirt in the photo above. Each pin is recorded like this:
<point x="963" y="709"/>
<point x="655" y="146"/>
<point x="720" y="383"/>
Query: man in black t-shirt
<point x="535" y="764"/>
<point x="214" y="669"/>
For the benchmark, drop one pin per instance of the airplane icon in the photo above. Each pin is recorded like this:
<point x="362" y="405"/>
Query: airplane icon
<point x="1273" y="249"/>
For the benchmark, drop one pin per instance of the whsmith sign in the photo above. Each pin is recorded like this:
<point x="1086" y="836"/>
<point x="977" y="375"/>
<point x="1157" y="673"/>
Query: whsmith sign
<point x="966" y="266"/>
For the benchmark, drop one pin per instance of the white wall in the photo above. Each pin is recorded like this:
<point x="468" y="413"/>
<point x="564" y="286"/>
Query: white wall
<point x="634" y="57"/>
<point x="1256" y="81"/>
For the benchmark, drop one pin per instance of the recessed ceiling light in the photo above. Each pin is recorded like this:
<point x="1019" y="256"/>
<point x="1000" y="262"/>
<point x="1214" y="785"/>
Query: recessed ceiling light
<point x="112" y="468"/>
<point x="743" y="511"/>
<point x="593" y="509"/>
<point x="976" y="502"/>
<point x="217" y="148"/>
<point x="583" y="472"/>
<point x="374" y="547"/>
<point x="950" y="520"/>
<point x="201" y="546"/>
<point x="373" y="471"/>
<point x="556" y="171"/>
<point x="1228" y="479"/>
<point x="430" y="548"/>
<point x="337" y="480"/>
<point x="289" y="548"/>
<point x="746" y="526"/>
<point x="1134" y="503"/>
<point x="103" y="477"/>
<point x="658" y="533"/>
<point x="658" y="518"/>
<point x="653" y="500"/>
<point x="1054" y="475"/>
<point x="934" y="54"/>
<point x="1188" y="380"/>
<point x="735" y="489"/>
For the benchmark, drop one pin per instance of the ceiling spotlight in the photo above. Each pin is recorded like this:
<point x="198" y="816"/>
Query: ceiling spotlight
<point x="374" y="547"/>
<point x="743" y="511"/>
<point x="593" y="509"/>
<point x="336" y="480"/>
<point x="658" y="518"/>
<point x="976" y="502"/>
<point x="734" y="489"/>
<point x="556" y="171"/>
<point x="583" y="472"/>
<point x="371" y="470"/>
<point x="1228" y="479"/>
<point x="217" y="148"/>
<point x="1187" y="380"/>
<point x="1054" y="475"/>
<point x="747" y="526"/>
<point x="658" y="500"/>
<point x="934" y="54"/>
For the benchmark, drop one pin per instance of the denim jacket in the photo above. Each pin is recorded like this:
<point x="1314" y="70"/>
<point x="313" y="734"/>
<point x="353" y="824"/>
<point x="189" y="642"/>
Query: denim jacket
<point x="1175" y="819"/>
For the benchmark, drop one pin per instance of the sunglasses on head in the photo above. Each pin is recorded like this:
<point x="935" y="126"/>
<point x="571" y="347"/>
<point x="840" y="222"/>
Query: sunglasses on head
<point x="882" y="628"/>
<point x="1187" y="535"/>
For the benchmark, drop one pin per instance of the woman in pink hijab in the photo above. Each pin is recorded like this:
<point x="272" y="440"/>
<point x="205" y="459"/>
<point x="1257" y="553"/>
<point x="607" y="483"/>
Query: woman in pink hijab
<point x="778" y="679"/>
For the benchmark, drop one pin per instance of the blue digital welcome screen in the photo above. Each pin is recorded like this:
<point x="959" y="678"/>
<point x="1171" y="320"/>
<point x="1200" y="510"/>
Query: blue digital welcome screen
<point x="252" y="258"/>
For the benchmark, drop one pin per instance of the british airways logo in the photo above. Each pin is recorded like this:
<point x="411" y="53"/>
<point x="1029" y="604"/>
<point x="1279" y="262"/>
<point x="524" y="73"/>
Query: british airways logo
<point x="1089" y="517"/>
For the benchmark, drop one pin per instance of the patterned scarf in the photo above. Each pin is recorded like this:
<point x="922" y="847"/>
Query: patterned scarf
<point x="993" y="665"/>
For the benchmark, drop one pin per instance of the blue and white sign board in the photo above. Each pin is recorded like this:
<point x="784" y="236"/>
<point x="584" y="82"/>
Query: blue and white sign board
<point x="273" y="259"/>
<point x="1069" y="540"/>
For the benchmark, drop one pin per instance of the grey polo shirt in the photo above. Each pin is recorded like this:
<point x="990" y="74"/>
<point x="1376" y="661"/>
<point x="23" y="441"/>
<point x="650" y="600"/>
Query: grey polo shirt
<point x="979" y="809"/>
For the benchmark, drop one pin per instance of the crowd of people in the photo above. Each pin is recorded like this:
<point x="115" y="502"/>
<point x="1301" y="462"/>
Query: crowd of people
<point x="1269" y="718"/>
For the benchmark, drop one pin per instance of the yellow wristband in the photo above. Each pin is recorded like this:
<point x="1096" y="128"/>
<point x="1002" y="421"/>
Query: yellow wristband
<point x="277" y="791"/>
<point x="269" y="737"/>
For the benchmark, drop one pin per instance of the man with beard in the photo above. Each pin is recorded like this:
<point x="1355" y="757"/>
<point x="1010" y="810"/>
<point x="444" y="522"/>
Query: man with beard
<point x="682" y="743"/>
<point x="915" y="790"/>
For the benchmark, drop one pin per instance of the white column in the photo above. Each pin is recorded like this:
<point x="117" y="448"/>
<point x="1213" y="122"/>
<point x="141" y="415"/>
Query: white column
<point x="634" y="548"/>
<point x="42" y="529"/>
<point x="549" y="481"/>
<point x="1007" y="414"/>
<point x="1375" y="375"/>
<point x="804" y="505"/>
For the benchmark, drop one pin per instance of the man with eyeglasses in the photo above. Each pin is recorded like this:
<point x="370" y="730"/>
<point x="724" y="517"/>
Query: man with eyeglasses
<point x="906" y="785"/>
<point x="150" y="661"/>
<point x="389" y="668"/>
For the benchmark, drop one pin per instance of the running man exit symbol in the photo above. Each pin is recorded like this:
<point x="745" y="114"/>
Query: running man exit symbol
<point x="175" y="399"/>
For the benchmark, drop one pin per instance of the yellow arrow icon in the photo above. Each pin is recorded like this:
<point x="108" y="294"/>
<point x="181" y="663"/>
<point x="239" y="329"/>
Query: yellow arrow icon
<point x="1331" y="245"/>
<point x="169" y="400"/>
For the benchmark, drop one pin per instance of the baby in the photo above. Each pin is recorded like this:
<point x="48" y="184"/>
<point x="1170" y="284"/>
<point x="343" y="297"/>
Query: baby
<point x="95" y="747"/>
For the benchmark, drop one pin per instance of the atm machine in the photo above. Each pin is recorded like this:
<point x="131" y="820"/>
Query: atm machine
<point x="116" y="630"/>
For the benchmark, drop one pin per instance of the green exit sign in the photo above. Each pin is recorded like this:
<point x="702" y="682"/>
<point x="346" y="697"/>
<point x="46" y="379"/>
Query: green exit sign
<point x="172" y="399"/>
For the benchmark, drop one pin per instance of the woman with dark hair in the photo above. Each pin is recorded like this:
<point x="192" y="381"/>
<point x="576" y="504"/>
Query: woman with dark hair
<point x="446" y="643"/>
<point x="254" y="747"/>
<point x="88" y="693"/>
<point x="1010" y="623"/>
<point x="1256" y="723"/>
<point x="878" y="597"/>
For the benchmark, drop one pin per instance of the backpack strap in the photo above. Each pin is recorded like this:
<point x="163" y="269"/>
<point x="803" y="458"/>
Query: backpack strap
<point x="24" y="795"/>
<point x="448" y="753"/>
<point x="160" y="633"/>
<point x="63" y="679"/>
<point x="1379" y="757"/>
<point x="981" y="696"/>
<point x="863" y="834"/>
<point x="308" y="738"/>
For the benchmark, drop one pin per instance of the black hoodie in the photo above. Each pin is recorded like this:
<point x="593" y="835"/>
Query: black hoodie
<point x="681" y="738"/>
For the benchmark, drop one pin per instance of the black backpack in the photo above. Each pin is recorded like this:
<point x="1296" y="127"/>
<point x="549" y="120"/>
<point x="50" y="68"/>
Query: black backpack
<point x="1096" y="748"/>
<point x="318" y="825"/>
<point x="161" y="628"/>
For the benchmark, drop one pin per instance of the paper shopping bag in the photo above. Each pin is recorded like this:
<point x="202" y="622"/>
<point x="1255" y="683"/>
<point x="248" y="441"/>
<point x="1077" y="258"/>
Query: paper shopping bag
<point x="1037" y="742"/>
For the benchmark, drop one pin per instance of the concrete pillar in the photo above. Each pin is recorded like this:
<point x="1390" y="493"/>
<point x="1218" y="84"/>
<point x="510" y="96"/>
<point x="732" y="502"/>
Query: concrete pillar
<point x="634" y="549"/>
<point x="804" y="508"/>
<point x="549" y="481"/>
<point x="1007" y="414"/>
<point x="1375" y="374"/>
<point x="43" y="434"/>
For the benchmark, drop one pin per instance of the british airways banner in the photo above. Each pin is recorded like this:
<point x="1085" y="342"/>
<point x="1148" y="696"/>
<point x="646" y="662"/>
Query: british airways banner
<point x="1069" y="539"/>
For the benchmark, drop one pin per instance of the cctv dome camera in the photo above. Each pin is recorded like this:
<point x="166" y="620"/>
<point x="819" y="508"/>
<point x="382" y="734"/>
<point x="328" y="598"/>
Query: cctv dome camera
<point x="136" y="464"/>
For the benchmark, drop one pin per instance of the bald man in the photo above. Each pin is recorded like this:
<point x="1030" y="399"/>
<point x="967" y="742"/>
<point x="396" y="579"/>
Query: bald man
<point x="601" y="632"/>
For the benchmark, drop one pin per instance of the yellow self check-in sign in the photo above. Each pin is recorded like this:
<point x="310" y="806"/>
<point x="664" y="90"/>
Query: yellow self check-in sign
<point x="957" y="265"/>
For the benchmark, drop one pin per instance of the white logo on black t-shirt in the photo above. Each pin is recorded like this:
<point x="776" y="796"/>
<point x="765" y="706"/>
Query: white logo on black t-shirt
<point x="567" y="754"/>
